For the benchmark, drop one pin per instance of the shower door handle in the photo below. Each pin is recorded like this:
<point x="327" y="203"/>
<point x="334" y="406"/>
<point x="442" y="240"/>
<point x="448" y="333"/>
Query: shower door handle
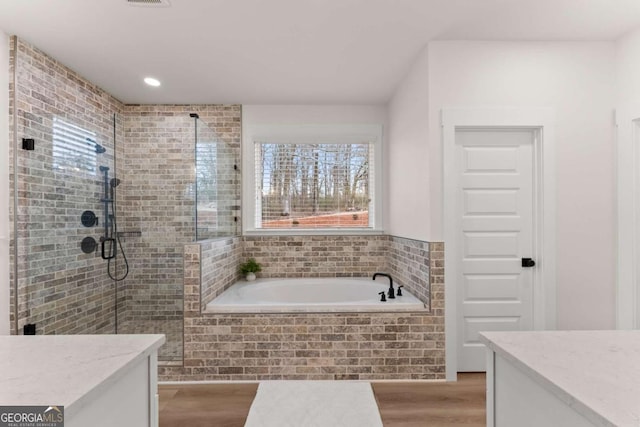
<point x="108" y="248"/>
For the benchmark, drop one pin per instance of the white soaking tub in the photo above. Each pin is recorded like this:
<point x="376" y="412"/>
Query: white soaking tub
<point x="312" y="295"/>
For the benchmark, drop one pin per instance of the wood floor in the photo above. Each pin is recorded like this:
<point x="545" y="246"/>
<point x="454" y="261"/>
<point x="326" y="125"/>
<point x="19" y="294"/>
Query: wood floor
<point x="433" y="404"/>
<point x="410" y="404"/>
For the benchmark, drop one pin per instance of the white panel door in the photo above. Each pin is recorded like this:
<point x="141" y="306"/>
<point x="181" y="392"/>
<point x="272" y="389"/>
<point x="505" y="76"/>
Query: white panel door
<point x="494" y="216"/>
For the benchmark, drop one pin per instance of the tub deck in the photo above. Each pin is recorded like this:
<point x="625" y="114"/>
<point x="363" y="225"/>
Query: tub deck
<point x="311" y="295"/>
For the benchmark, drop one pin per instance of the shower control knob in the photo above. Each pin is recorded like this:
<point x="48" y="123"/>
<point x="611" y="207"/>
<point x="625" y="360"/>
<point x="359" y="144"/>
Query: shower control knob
<point x="88" y="245"/>
<point x="89" y="219"/>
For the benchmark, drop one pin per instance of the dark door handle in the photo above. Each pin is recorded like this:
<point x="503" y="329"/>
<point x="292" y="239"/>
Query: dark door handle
<point x="528" y="262"/>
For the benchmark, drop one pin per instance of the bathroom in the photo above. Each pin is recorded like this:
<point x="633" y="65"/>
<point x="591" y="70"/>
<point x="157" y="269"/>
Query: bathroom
<point x="184" y="243"/>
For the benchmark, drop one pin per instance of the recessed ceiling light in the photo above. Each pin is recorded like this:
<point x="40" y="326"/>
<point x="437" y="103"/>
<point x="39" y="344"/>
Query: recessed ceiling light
<point x="152" y="82"/>
<point x="149" y="3"/>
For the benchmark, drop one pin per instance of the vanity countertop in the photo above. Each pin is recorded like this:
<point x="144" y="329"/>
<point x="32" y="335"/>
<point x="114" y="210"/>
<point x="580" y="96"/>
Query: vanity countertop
<point x="595" y="372"/>
<point x="67" y="370"/>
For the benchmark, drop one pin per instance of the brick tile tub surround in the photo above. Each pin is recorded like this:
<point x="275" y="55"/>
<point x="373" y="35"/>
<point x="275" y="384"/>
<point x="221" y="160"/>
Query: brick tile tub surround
<point x="309" y="346"/>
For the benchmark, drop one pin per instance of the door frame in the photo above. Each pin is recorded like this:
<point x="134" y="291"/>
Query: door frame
<point x="541" y="120"/>
<point x="628" y="213"/>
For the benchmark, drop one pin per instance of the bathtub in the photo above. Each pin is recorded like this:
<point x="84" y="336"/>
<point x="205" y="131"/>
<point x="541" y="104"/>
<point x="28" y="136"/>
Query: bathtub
<point x="311" y="295"/>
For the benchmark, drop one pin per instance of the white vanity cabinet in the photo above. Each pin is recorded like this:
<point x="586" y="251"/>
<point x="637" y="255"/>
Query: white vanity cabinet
<point x="563" y="378"/>
<point x="101" y="380"/>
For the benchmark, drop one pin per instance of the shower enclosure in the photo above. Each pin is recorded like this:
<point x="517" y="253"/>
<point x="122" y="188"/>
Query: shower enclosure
<point x="101" y="209"/>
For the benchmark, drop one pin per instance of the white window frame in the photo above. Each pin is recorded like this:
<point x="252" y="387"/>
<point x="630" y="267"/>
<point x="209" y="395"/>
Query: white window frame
<point x="308" y="134"/>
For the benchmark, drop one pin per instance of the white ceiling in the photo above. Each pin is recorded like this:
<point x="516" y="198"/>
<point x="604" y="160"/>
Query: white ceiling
<point x="285" y="51"/>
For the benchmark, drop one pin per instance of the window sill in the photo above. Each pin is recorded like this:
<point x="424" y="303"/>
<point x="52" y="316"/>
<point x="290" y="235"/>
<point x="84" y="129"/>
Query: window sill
<point x="318" y="232"/>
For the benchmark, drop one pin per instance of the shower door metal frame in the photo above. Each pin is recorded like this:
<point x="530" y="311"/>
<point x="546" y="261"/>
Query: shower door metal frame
<point x="14" y="112"/>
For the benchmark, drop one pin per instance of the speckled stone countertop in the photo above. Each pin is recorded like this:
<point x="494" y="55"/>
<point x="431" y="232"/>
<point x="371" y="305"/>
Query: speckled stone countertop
<point x="68" y="370"/>
<point x="597" y="373"/>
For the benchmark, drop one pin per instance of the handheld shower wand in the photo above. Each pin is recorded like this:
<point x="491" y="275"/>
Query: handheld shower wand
<point x="111" y="240"/>
<point x="109" y="248"/>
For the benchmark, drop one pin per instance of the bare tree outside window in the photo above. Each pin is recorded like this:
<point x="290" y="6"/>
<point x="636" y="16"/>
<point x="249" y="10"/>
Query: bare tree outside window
<point x="314" y="185"/>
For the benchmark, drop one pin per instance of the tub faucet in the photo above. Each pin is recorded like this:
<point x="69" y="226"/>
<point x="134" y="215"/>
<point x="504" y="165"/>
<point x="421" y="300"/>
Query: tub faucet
<point x="391" y="292"/>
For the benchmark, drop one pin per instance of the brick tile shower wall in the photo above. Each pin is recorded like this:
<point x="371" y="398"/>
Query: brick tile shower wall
<point x="310" y="346"/>
<point x="61" y="289"/>
<point x="157" y="206"/>
<point x="12" y="278"/>
<point x="158" y="200"/>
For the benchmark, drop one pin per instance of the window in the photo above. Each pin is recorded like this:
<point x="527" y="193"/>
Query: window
<point x="315" y="178"/>
<point x="74" y="148"/>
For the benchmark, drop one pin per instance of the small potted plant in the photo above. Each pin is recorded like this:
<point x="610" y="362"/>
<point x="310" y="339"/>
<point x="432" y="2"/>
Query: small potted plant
<point x="250" y="268"/>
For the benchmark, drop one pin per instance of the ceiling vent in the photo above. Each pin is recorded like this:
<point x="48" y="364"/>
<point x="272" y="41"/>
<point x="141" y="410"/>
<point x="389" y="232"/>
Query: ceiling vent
<point x="149" y="3"/>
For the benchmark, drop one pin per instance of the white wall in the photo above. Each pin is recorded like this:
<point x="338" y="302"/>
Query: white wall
<point x="627" y="102"/>
<point x="578" y="81"/>
<point x="315" y="115"/>
<point x="409" y="198"/>
<point x="628" y="69"/>
<point x="4" y="183"/>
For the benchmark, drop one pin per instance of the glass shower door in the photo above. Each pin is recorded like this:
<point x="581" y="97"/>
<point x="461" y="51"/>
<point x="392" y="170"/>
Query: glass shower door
<point x="59" y="282"/>
<point x="104" y="207"/>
